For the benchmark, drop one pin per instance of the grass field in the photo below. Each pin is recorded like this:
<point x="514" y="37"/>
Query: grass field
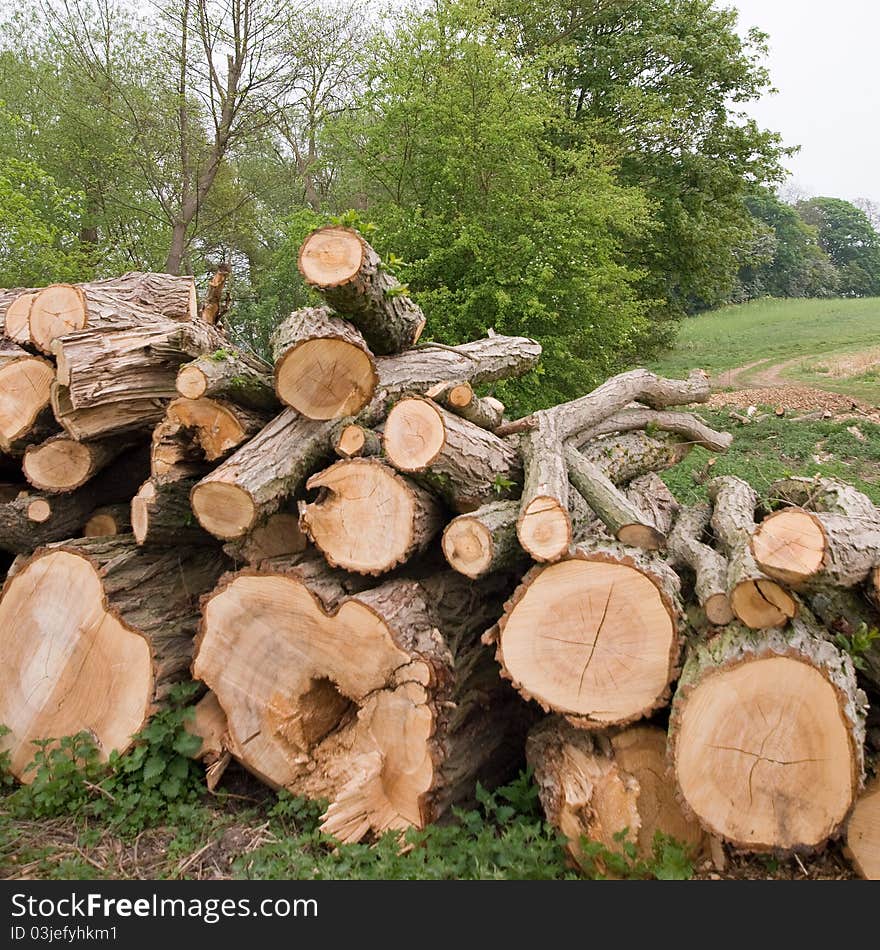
<point x="819" y="335"/>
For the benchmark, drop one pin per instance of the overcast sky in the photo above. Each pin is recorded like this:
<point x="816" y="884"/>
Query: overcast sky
<point x="825" y="62"/>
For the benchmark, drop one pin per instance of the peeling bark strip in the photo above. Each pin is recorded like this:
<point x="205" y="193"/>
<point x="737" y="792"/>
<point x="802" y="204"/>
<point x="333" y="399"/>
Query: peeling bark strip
<point x="349" y="275"/>
<point x="382" y="702"/>
<point x="613" y="788"/>
<point x="686" y="549"/>
<point x="756" y="600"/>
<point x="464" y="464"/>
<point x="594" y="637"/>
<point x="119" y="302"/>
<point x="323" y="366"/>
<point x="111" y="652"/>
<point x="276" y="463"/>
<point x="25" y="388"/>
<point x="766" y="736"/>
<point x="242" y="378"/>
<point x="126" y="417"/>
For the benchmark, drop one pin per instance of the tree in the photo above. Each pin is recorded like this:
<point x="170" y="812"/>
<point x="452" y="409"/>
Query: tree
<point x="849" y="239"/>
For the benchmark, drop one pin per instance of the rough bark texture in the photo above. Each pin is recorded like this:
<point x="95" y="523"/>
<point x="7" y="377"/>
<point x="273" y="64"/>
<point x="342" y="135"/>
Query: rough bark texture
<point x="392" y="729"/>
<point x="213" y="308"/>
<point x="827" y="495"/>
<point x="595" y="637"/>
<point x="112" y="652"/>
<point x="464" y="464"/>
<point x="368" y="518"/>
<point x="483" y="541"/>
<point x="61" y="464"/>
<point x="651" y="496"/>
<point x="756" y="600"/>
<point x="240" y="377"/>
<point x="687" y="549"/>
<point x="119" y="302"/>
<point x="123" y="418"/>
<point x="544" y="527"/>
<point x="766" y="736"/>
<point x="349" y="275"/>
<point x="687" y="426"/>
<point x="278" y="535"/>
<point x="628" y="455"/>
<point x="175" y="454"/>
<point x="161" y="516"/>
<point x="276" y="463"/>
<point x="323" y="366"/>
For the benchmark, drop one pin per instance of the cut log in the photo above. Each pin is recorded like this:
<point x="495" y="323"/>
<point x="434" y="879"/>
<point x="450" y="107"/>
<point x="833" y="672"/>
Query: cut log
<point x="756" y="600"/>
<point x="161" y="516"/>
<point x="710" y="569"/>
<point x="108" y="521"/>
<point x="35" y="518"/>
<point x="766" y="736"/>
<point x="239" y="377"/>
<point x="255" y="481"/>
<point x="15" y="308"/>
<point x="368" y="518"/>
<point x="209" y="724"/>
<point x="216" y="426"/>
<point x="611" y="789"/>
<point x="621" y="517"/>
<point x="544" y="527"/>
<point x="101" y="661"/>
<point x="61" y="464"/>
<point x="323" y="366"/>
<point x="349" y="275"/>
<point x="466" y="465"/>
<point x="61" y="309"/>
<point x="131" y="417"/>
<point x="594" y="637"/>
<point x="486" y="412"/>
<point x="827" y="495"/>
<point x="383" y="703"/>
<point x="627" y="456"/>
<point x="175" y="454"/>
<point x="863" y="833"/>
<point x="485" y="540"/>
<point x="279" y="535"/>
<point x="100" y="367"/>
<point x="25" y="387"/>
<point x="213" y="308"/>
<point x="351" y="440"/>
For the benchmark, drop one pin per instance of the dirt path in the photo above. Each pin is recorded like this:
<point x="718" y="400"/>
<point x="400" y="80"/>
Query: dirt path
<point x="770" y="376"/>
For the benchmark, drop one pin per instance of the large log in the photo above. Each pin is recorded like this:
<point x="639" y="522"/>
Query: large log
<point x="757" y="601"/>
<point x="766" y="736"/>
<point x="323" y="366"/>
<point x="129" y="417"/>
<point x="613" y="789"/>
<point x="101" y="661"/>
<point x="382" y="702"/>
<point x="465" y="464"/>
<point x="123" y="301"/>
<point x="349" y="275"/>
<point x="255" y="481"/>
<point x="141" y="361"/>
<point x="61" y="464"/>
<point x="229" y="374"/>
<point x="594" y="637"/>
<point x="368" y="518"/>
<point x="25" y="389"/>
<point x="15" y="308"/>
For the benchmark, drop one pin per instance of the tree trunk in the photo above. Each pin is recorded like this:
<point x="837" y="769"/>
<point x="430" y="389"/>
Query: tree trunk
<point x="466" y="465"/>
<point x="25" y="389"/>
<point x="126" y="301"/>
<point x="756" y="600"/>
<point x="368" y="518"/>
<point x="628" y="455"/>
<point x="484" y="541"/>
<point x="349" y="275"/>
<point x="612" y="789"/>
<point x="258" y="477"/>
<point x="863" y="832"/>
<point x="382" y="702"/>
<point x="101" y="661"/>
<point x="766" y="736"/>
<point x="710" y="569"/>
<point x="594" y="637"/>
<point x="213" y="309"/>
<point x="61" y="464"/>
<point x="226" y="374"/>
<point x="161" y="516"/>
<point x="323" y="366"/>
<point x="486" y="412"/>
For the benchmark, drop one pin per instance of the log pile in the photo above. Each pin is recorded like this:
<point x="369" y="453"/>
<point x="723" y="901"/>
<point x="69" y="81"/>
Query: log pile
<point x="393" y="591"/>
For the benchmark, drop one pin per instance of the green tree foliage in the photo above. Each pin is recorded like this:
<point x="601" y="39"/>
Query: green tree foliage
<point x="784" y="258"/>
<point x="850" y="240"/>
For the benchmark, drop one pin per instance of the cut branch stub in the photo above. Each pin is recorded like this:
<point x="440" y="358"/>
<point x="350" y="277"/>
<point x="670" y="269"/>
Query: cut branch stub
<point x="349" y="275"/>
<point x="766" y="736"/>
<point x="465" y="464"/>
<point x="544" y="525"/>
<point x="161" y="515"/>
<point x="483" y="541"/>
<point x="351" y="440"/>
<point x="240" y="377"/>
<point x="486" y="412"/>
<point x="367" y="517"/>
<point x="101" y="661"/>
<point x="107" y="521"/>
<point x="594" y="637"/>
<point x="323" y="366"/>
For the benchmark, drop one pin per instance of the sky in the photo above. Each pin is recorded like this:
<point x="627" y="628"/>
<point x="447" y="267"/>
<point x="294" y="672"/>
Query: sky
<point x="824" y="58"/>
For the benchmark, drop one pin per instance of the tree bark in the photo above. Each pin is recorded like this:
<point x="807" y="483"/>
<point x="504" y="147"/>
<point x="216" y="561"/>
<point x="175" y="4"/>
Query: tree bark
<point x="279" y="535"/>
<point x="161" y="516"/>
<point x="213" y="309"/>
<point x="115" y="419"/>
<point x="323" y="366"/>
<point x="483" y="541"/>
<point x="688" y="427"/>
<point x="486" y="412"/>
<point x="349" y="275"/>
<point x="231" y="375"/>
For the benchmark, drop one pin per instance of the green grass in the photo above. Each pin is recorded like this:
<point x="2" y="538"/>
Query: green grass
<point x="778" y="330"/>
